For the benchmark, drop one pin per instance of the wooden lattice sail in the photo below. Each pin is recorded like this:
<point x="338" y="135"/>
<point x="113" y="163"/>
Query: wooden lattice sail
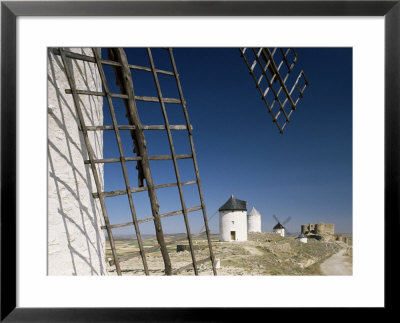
<point x="271" y="71"/>
<point x="118" y="59"/>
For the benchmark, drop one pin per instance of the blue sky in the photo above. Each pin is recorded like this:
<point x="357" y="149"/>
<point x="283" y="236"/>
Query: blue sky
<point x="306" y="173"/>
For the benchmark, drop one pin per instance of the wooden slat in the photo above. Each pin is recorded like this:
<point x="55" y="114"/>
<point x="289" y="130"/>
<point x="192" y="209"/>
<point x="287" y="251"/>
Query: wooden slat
<point x="125" y="96"/>
<point x="155" y="99"/>
<point x="267" y="56"/>
<point x="267" y="64"/>
<point x="77" y="56"/>
<point x="164" y="215"/>
<point x="174" y="157"/>
<point x="113" y="63"/>
<point x="274" y="78"/>
<point x="280" y="89"/>
<point x="159" y="157"/>
<point x="300" y="90"/>
<point x="126" y="85"/>
<point x="128" y="127"/>
<point x="122" y="157"/>
<point x="102" y="128"/>
<point x="167" y="157"/>
<point x="268" y="61"/>
<point x="284" y="58"/>
<point x="139" y="189"/>
<point x="260" y="90"/>
<point x="203" y="206"/>
<point x="173" y="213"/>
<point x="116" y="160"/>
<point x="276" y="74"/>
<point x="148" y="69"/>
<point x="112" y="160"/>
<point x="268" y="53"/>
<point x="94" y="93"/>
<point x="290" y="66"/>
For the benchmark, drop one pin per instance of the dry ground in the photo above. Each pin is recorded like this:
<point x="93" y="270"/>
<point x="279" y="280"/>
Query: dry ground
<point x="262" y="254"/>
<point x="340" y="264"/>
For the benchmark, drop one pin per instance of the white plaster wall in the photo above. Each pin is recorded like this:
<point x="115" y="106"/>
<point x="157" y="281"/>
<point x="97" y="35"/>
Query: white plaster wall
<point x="254" y="223"/>
<point x="76" y="244"/>
<point x="233" y="221"/>
<point x="280" y="232"/>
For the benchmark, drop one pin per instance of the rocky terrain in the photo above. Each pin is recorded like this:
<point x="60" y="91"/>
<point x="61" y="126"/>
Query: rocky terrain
<point x="262" y="254"/>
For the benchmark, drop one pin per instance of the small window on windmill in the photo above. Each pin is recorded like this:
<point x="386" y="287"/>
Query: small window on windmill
<point x="233" y="222"/>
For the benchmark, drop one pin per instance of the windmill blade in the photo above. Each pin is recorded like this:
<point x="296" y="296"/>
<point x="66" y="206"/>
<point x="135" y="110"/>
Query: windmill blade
<point x="286" y="221"/>
<point x="276" y="219"/>
<point x="209" y="219"/>
<point x="277" y="68"/>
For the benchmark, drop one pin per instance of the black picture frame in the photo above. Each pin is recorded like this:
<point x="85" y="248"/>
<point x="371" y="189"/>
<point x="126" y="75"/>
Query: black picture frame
<point x="10" y="10"/>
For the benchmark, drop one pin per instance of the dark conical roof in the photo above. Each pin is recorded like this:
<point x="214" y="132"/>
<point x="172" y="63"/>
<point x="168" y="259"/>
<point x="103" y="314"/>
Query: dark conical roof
<point x="278" y="226"/>
<point x="234" y="204"/>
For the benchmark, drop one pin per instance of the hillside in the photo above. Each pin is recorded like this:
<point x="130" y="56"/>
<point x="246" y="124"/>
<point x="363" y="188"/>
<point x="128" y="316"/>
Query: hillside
<point x="262" y="254"/>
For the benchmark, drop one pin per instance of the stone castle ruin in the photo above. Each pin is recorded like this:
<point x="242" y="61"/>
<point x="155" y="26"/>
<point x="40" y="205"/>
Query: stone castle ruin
<point x="324" y="231"/>
<point x="318" y="229"/>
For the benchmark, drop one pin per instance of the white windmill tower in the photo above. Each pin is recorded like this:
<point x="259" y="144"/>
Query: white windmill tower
<point x="233" y="220"/>
<point x="254" y="221"/>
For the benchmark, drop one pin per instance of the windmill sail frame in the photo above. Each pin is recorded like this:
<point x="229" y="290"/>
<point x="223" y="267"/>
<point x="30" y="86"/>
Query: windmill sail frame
<point x="125" y="81"/>
<point x="274" y="67"/>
